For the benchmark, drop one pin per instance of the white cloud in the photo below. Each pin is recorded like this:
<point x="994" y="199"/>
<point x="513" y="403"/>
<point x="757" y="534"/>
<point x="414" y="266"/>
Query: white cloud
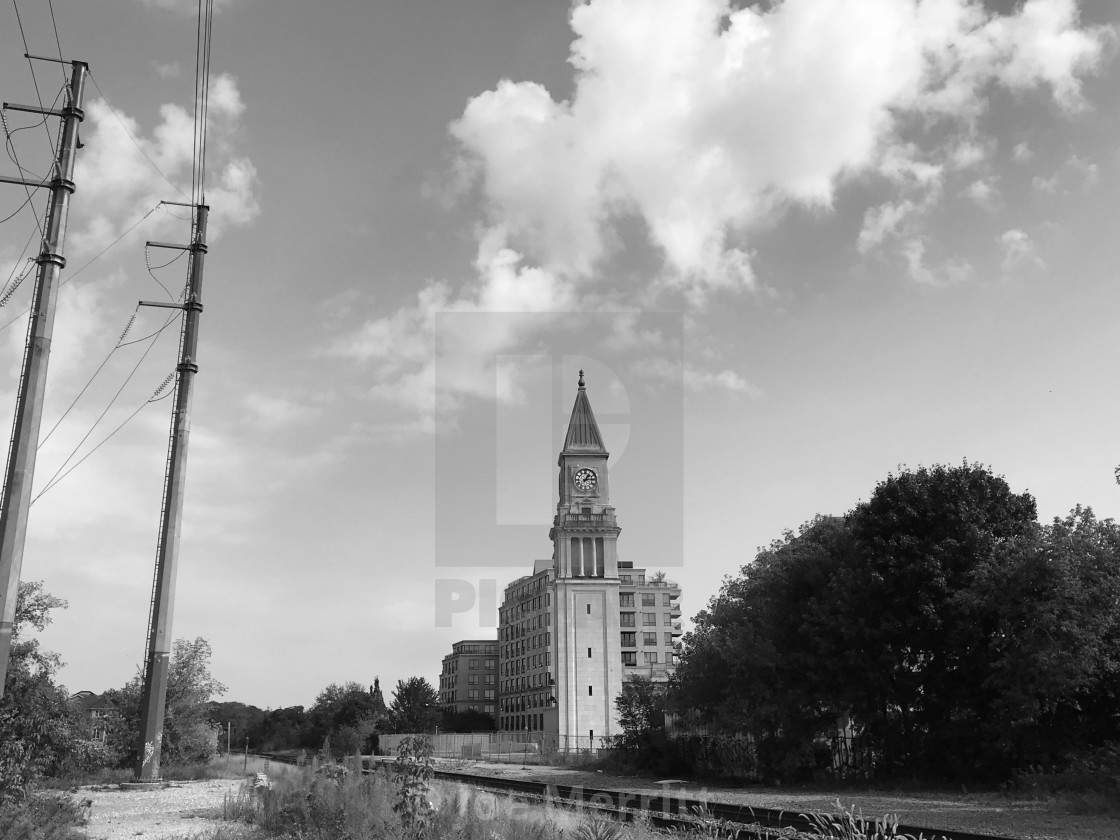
<point x="1019" y="252"/>
<point x="702" y="119"/>
<point x="983" y="192"/>
<point x="273" y="410"/>
<point x="405" y="347"/>
<point x="950" y="272"/>
<point x="1022" y="152"/>
<point x="114" y="166"/>
<point x="697" y="379"/>
<point x="1075" y="175"/>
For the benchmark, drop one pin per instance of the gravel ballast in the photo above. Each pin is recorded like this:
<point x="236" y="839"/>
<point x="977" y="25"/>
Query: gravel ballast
<point x="177" y="810"/>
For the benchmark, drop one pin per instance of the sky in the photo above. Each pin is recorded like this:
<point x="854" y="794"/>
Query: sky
<point x="796" y="246"/>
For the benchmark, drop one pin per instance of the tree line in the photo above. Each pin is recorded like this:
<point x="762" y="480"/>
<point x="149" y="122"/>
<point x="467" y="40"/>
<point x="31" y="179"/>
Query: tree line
<point x="938" y="629"/>
<point x="43" y="734"/>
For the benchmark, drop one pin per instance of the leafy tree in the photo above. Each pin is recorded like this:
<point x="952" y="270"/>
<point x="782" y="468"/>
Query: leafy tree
<point x="763" y="656"/>
<point x="239" y="717"/>
<point x="905" y="620"/>
<point x="188" y="734"/>
<point x="37" y="730"/>
<point x="283" y="729"/>
<point x="347" y="715"/>
<point x="414" y="707"/>
<point x="641" y="713"/>
<point x="952" y="630"/>
<point x="1051" y="609"/>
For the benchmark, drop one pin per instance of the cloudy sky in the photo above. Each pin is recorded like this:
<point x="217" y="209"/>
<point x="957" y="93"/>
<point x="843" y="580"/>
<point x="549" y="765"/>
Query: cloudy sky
<point x="795" y="245"/>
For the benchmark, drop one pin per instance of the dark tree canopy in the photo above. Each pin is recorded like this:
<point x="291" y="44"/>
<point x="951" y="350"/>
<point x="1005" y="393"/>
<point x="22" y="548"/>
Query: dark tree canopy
<point x="939" y="618"/>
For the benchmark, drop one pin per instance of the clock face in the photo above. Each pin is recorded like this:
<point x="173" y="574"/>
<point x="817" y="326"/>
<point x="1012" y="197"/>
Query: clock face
<point x="585" y="480"/>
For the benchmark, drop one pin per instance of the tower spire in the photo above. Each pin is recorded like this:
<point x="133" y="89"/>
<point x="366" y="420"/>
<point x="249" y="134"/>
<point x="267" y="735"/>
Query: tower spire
<point x="583" y="432"/>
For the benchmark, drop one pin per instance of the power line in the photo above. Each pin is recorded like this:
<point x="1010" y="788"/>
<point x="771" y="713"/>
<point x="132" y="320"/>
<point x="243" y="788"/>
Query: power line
<point x="91" y="260"/>
<point x="89" y="382"/>
<point x="131" y="137"/>
<point x="34" y="79"/>
<point x="57" y="41"/>
<point x="155" y="397"/>
<point x="54" y="479"/>
<point x="11" y="149"/>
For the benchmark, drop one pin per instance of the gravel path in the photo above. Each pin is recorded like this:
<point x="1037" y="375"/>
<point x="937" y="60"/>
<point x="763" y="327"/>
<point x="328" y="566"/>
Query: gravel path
<point x="181" y="809"/>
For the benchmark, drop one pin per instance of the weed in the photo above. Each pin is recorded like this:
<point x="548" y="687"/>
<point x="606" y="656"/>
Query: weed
<point x="597" y="827"/>
<point x="413" y="771"/>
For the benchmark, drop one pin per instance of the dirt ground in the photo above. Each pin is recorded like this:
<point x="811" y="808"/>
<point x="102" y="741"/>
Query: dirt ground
<point x="986" y="813"/>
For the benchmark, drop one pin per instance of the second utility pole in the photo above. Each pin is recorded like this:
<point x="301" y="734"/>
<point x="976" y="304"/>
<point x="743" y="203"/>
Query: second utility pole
<point x="158" y="654"/>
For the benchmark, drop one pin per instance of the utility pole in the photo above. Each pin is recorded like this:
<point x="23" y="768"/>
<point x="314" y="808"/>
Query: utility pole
<point x="158" y="654"/>
<point x="20" y="472"/>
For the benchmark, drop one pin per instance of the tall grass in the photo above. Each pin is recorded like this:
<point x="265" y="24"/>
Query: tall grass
<point x="335" y="803"/>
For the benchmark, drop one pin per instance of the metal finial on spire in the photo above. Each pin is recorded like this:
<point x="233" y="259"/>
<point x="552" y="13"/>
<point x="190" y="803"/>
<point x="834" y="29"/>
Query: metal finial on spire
<point x="581" y="379"/>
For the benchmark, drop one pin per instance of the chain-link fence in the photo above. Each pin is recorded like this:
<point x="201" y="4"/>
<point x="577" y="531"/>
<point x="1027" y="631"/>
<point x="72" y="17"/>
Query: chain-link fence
<point x="507" y="747"/>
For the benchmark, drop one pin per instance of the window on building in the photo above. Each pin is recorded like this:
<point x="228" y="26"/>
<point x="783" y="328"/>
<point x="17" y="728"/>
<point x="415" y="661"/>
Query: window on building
<point x="472" y="694"/>
<point x="489" y="679"/>
<point x="473" y="665"/>
<point x="626" y="619"/>
<point x="649" y="639"/>
<point x="648" y="599"/>
<point x="489" y="664"/>
<point x="591" y="691"/>
<point x="667" y="619"/>
<point x="669" y="639"/>
<point x="472" y="679"/>
<point x="641" y="580"/>
<point x="651" y="657"/>
<point x="488" y="694"/>
<point x="624" y="580"/>
<point x="649" y="619"/>
<point x="626" y="599"/>
<point x="589" y="653"/>
<point x="666" y="599"/>
<point x="629" y="640"/>
<point x="589" y="609"/>
<point x="629" y="658"/>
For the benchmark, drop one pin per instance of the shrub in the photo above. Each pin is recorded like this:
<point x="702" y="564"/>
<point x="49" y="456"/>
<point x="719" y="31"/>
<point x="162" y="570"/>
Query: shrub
<point x="43" y="817"/>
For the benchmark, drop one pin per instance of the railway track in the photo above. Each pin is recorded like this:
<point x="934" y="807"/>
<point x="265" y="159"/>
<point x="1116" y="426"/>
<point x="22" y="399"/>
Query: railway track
<point x="670" y="811"/>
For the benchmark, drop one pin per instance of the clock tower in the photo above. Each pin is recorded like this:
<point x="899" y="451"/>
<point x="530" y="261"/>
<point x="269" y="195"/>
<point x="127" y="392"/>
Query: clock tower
<point x="585" y="566"/>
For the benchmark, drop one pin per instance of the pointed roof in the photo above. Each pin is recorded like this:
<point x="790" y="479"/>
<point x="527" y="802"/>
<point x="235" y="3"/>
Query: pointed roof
<point x="583" y="432"/>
